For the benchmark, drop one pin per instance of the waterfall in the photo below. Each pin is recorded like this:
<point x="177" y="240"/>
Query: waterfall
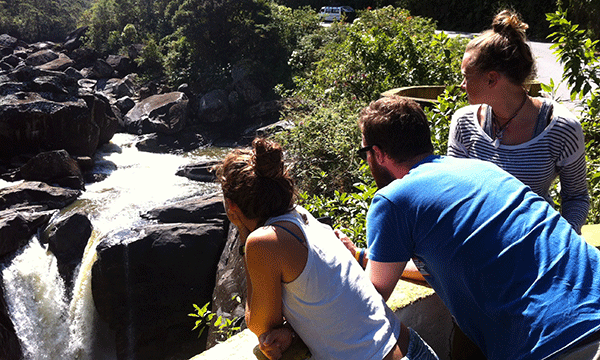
<point x="54" y="325"/>
<point x="35" y="296"/>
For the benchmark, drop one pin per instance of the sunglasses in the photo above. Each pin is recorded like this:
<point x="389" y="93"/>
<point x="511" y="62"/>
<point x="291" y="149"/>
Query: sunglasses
<point x="362" y="152"/>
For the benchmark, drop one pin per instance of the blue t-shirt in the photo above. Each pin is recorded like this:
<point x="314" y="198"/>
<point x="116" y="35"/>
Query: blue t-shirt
<point x="518" y="279"/>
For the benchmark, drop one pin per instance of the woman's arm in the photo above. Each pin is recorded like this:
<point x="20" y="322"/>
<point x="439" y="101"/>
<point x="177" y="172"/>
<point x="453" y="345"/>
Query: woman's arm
<point x="574" y="193"/>
<point x="264" y="304"/>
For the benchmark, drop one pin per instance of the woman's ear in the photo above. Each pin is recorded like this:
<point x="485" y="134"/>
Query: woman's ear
<point x="493" y="77"/>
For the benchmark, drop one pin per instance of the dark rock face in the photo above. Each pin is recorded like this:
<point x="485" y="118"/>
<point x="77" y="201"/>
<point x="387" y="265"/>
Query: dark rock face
<point x="10" y="348"/>
<point x="54" y="167"/>
<point x="67" y="239"/>
<point x="42" y="110"/>
<point x="17" y="226"/>
<point x="144" y="288"/>
<point x="165" y="113"/>
<point x="230" y="282"/>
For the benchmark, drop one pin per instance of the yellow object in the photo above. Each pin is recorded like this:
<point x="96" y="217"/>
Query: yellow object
<point x="591" y="234"/>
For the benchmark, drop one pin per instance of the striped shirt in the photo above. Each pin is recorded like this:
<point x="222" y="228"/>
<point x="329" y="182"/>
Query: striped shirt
<point x="558" y="151"/>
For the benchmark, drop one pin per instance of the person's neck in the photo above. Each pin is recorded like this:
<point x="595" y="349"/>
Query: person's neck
<point x="509" y="107"/>
<point x="404" y="167"/>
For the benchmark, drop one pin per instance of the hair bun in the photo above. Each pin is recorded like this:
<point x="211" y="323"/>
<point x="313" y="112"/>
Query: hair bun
<point x="509" y="24"/>
<point x="268" y="159"/>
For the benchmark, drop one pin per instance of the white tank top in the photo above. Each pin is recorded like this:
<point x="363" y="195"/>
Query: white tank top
<point x="332" y="305"/>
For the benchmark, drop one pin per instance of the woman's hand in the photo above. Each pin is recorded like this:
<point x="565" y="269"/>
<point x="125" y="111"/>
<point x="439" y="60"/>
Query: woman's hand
<point x="274" y="342"/>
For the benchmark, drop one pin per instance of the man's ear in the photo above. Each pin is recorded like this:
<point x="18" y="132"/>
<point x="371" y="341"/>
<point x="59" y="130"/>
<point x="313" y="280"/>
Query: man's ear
<point x="379" y="154"/>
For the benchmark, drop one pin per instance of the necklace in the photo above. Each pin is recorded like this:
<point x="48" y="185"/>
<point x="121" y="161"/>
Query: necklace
<point x="499" y="130"/>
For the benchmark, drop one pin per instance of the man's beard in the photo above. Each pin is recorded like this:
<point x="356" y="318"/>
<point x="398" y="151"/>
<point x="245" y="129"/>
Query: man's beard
<point x="382" y="176"/>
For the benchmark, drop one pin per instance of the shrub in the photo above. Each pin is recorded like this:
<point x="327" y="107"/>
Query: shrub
<point x="381" y="50"/>
<point x="577" y="53"/>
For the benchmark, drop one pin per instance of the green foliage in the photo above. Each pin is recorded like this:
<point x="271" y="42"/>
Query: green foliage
<point x="383" y="49"/>
<point x="348" y="211"/>
<point x="151" y="59"/>
<point x="584" y="12"/>
<point x="223" y="326"/>
<point x="440" y="115"/>
<point x="322" y="146"/>
<point x="39" y="20"/>
<point x="578" y="54"/>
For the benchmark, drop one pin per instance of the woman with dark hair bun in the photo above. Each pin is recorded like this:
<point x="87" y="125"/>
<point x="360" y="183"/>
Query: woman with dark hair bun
<point x="300" y="277"/>
<point x="533" y="138"/>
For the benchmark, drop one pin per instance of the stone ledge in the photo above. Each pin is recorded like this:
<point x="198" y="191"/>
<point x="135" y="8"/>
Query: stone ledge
<point x="406" y="295"/>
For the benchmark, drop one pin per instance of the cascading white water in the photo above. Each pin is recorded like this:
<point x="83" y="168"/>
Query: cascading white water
<point x="48" y="324"/>
<point x="35" y="295"/>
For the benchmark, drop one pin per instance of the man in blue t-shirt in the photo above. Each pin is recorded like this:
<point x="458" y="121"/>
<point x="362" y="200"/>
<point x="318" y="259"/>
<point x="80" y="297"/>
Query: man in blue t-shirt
<point x="520" y="282"/>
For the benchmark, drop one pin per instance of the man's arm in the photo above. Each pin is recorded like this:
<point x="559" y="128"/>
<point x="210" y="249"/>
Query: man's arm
<point x="410" y="271"/>
<point x="385" y="276"/>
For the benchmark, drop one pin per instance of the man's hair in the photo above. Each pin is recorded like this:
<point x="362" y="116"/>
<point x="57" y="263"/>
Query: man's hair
<point x="398" y="126"/>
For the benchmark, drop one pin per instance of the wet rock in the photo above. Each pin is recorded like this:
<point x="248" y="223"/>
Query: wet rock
<point x="183" y="141"/>
<point x="36" y="193"/>
<point x="17" y="226"/>
<point x="54" y="167"/>
<point x="197" y="210"/>
<point x="67" y="239"/>
<point x="144" y="287"/>
<point x="200" y="171"/>
<point x="230" y="281"/>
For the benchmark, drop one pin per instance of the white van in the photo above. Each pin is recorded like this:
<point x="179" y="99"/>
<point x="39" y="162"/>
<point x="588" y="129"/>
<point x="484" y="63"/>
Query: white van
<point x="336" y="13"/>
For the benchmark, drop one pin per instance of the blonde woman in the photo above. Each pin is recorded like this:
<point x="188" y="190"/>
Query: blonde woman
<point x="535" y="139"/>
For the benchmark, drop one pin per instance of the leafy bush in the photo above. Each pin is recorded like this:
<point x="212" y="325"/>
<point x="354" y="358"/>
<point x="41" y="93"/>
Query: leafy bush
<point x="322" y="145"/>
<point x="383" y="49"/>
<point x="440" y="116"/>
<point x="584" y="12"/>
<point x="578" y="55"/>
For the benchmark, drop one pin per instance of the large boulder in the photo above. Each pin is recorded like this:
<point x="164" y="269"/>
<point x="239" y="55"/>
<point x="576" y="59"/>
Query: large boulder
<point x="42" y="110"/>
<point x="67" y="239"/>
<point x="145" y="287"/>
<point x="17" y="226"/>
<point x="201" y="171"/>
<point x="32" y="123"/>
<point x="183" y="141"/>
<point x="41" y="57"/>
<point x="61" y="63"/>
<point x="214" y="107"/>
<point x="198" y="210"/>
<point x="164" y="113"/>
<point x="54" y="167"/>
<point x="31" y="193"/>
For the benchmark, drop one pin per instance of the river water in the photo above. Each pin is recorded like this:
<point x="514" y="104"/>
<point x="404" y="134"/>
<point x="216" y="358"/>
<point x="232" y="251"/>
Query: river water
<point x="54" y="324"/>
